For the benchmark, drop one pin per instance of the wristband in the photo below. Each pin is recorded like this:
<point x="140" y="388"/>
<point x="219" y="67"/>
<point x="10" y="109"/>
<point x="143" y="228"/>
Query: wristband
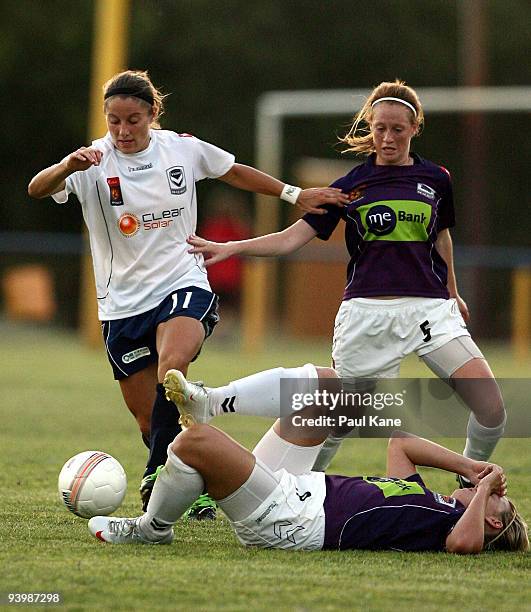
<point x="290" y="193"/>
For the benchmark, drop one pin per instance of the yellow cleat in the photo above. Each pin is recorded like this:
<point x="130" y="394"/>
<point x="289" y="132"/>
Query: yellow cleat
<point x="191" y="399"/>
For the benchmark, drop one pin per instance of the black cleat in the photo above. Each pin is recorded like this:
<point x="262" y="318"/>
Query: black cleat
<point x="463" y="482"/>
<point x="203" y="509"/>
<point x="146" y="486"/>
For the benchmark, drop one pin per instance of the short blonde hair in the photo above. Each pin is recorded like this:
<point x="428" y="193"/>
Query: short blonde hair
<point x="359" y="137"/>
<point x="140" y="81"/>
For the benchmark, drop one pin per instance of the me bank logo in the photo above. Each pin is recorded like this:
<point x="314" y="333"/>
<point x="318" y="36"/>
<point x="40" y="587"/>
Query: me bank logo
<point x="381" y="220"/>
<point x="401" y="220"/>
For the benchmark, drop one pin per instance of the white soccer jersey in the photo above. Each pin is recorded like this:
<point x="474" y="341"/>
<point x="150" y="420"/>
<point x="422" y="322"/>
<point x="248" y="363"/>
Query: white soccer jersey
<point x="139" y="209"/>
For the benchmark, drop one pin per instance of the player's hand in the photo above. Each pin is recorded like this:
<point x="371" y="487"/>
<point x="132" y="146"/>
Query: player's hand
<point x="82" y="159"/>
<point x="463" y="308"/>
<point x="213" y="252"/>
<point x="476" y="468"/>
<point x="494" y="478"/>
<point x="311" y="200"/>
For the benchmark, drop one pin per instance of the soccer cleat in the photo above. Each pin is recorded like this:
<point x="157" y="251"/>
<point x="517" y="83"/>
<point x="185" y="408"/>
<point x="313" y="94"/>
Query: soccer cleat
<point x="190" y="398"/>
<point x="122" y="531"/>
<point x="203" y="509"/>
<point x="146" y="486"/>
<point x="463" y="482"/>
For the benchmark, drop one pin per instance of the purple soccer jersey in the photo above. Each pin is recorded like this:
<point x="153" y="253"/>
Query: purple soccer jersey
<point x="374" y="513"/>
<point x="391" y="225"/>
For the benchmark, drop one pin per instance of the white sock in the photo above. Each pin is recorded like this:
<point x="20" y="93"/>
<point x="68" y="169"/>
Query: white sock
<point x="328" y="452"/>
<point x="259" y="394"/>
<point x="481" y="440"/>
<point x="278" y="453"/>
<point x="177" y="486"/>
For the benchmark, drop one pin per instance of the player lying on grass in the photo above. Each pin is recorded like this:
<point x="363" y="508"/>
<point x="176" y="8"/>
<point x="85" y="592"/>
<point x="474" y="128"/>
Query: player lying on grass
<point x="273" y="500"/>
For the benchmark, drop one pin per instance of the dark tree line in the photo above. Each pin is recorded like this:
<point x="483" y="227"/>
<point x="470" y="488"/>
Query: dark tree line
<point x="216" y="59"/>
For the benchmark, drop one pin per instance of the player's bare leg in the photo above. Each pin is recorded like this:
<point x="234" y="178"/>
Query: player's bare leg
<point x="178" y="342"/>
<point x="201" y="456"/>
<point x="477" y="387"/>
<point x="139" y="391"/>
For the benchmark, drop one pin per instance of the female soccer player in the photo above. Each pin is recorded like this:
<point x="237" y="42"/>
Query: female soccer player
<point x="136" y="186"/>
<point x="273" y="500"/>
<point x="401" y="294"/>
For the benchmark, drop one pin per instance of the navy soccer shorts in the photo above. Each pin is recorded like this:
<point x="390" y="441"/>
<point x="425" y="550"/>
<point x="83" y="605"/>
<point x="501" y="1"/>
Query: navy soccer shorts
<point x="131" y="342"/>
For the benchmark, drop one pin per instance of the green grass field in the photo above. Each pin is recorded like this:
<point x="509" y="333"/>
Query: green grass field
<point x="58" y="398"/>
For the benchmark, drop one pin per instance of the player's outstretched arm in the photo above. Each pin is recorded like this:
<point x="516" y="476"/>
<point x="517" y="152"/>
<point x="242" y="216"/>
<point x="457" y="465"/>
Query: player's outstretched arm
<point x="406" y="451"/>
<point x="52" y="180"/>
<point x="308" y="200"/>
<point x="279" y="243"/>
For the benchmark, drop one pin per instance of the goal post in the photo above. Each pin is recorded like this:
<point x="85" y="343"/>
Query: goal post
<point x="109" y="52"/>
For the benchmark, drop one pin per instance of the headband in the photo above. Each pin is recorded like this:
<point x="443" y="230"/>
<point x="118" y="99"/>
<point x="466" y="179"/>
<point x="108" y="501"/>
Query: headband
<point x="129" y="91"/>
<point x="389" y="99"/>
<point x="503" y="530"/>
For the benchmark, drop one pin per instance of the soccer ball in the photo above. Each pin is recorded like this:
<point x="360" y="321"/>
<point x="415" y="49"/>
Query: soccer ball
<point x="92" y="483"/>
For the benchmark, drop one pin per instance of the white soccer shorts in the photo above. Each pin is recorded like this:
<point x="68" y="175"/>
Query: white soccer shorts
<point x="292" y="517"/>
<point x="371" y="337"/>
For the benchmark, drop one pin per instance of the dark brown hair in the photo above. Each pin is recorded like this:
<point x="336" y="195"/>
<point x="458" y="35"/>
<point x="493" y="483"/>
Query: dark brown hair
<point x="137" y="84"/>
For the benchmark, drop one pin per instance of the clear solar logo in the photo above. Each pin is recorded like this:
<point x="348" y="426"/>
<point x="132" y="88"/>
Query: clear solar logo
<point x="128" y="224"/>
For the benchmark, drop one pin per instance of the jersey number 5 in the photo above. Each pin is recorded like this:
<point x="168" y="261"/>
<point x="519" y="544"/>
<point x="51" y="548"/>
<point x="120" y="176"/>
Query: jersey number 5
<point x="425" y="330"/>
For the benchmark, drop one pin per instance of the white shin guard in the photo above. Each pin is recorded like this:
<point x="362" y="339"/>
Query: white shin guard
<point x="247" y="498"/>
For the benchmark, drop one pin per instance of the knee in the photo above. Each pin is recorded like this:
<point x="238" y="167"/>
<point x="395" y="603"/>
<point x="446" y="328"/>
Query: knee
<point x="193" y="442"/>
<point x="326" y="372"/>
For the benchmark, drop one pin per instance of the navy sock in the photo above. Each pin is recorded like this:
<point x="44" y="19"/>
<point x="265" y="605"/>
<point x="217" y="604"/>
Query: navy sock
<point x="164" y="427"/>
